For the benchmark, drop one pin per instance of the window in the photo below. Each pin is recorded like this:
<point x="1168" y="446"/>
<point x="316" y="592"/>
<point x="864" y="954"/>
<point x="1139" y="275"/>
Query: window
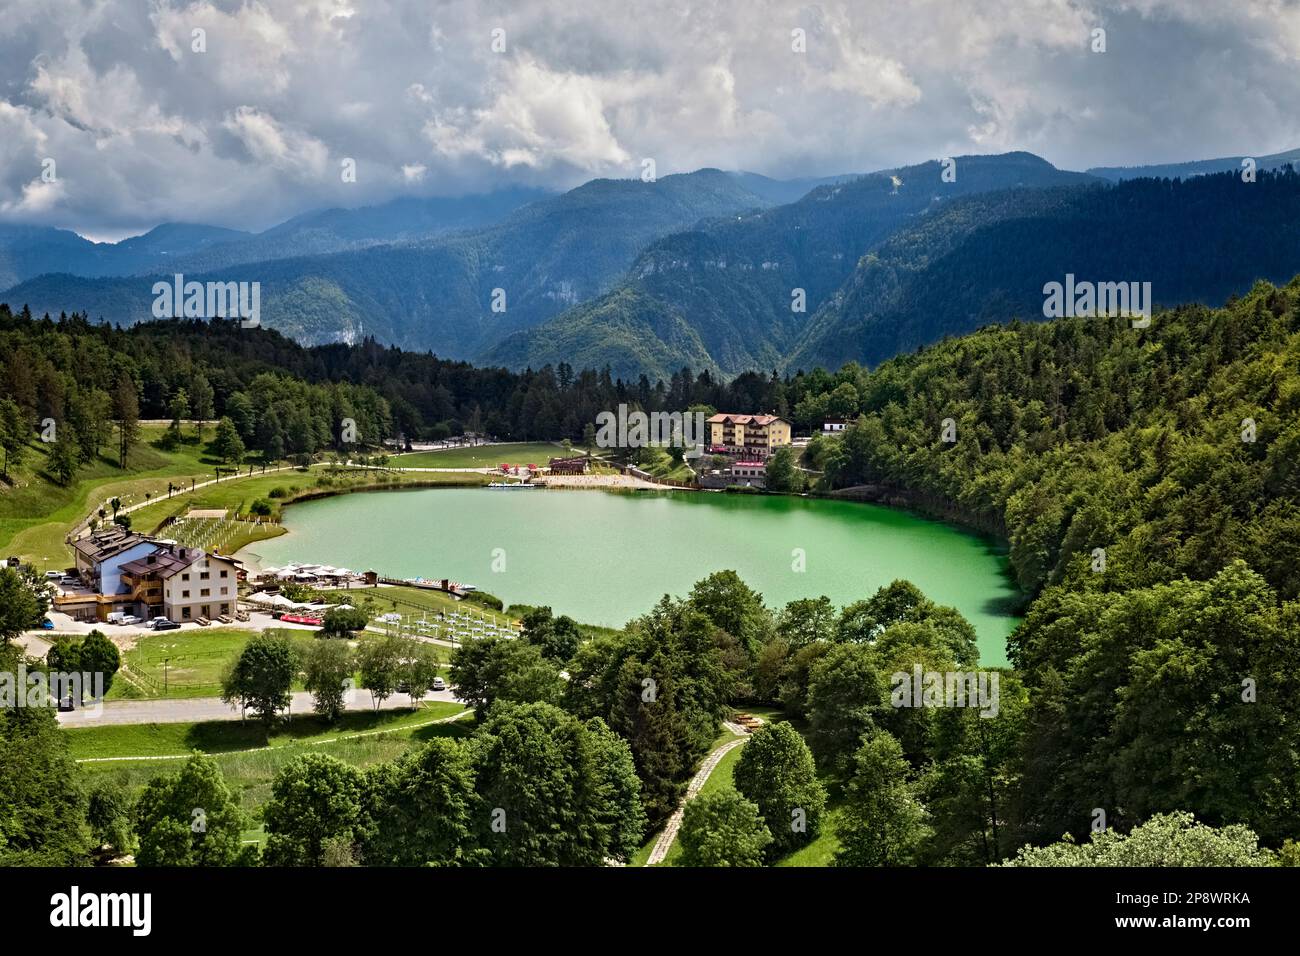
<point x="225" y="609"/>
<point x="204" y="592"/>
<point x="204" y="576"/>
<point x="185" y="576"/>
<point x="225" y="590"/>
<point x="185" y="594"/>
<point x="185" y="614"/>
<point x="225" y="574"/>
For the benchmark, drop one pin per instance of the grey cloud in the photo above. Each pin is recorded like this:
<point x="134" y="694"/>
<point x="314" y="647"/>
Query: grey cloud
<point x="254" y="130"/>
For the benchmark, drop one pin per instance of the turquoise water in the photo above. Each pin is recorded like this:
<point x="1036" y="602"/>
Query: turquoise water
<point x="605" y="558"/>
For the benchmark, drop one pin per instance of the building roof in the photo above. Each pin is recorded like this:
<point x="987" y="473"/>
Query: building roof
<point x="163" y="562"/>
<point x="102" y="545"/>
<point x="168" y="559"/>
<point x="725" y="417"/>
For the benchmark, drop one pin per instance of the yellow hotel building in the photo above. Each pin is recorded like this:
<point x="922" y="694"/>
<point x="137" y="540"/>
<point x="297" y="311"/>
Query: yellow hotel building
<point x="753" y="435"/>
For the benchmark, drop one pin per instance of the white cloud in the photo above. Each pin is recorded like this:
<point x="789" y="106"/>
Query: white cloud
<point x="269" y="142"/>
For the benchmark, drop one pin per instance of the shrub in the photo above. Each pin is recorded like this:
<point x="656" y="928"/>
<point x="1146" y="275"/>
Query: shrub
<point x="485" y="599"/>
<point x="278" y="492"/>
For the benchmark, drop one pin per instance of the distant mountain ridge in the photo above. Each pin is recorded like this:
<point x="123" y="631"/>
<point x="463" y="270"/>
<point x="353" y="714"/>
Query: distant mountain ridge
<point x="733" y="282"/>
<point x="30" y="251"/>
<point x="707" y="269"/>
<point x="985" y="259"/>
<point x="1200" y="167"/>
<point x="438" y="293"/>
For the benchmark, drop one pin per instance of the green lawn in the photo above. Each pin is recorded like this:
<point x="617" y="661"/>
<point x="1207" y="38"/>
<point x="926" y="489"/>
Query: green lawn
<point x="184" y="663"/>
<point x="35" y="512"/>
<point x="485" y="456"/>
<point x="659" y="463"/>
<point x="251" y="773"/>
<point x="225" y="736"/>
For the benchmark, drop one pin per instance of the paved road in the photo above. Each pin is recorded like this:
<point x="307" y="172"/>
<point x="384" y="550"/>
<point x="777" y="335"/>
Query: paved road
<point x="183" y="711"/>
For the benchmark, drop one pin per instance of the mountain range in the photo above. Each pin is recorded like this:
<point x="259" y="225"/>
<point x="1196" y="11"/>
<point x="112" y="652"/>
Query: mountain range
<point x="720" y="270"/>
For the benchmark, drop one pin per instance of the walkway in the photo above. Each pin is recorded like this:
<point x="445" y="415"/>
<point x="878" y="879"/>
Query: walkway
<point x="669" y="834"/>
<point x="83" y="527"/>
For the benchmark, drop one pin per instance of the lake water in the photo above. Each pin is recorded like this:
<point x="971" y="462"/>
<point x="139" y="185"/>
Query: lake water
<point x="605" y="558"/>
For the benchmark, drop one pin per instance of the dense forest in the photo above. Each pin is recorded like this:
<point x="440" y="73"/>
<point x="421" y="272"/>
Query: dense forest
<point x="1148" y="484"/>
<point x="986" y="258"/>
<point x="286" y="398"/>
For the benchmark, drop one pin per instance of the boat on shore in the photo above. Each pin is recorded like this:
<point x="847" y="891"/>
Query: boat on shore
<point x="512" y="484"/>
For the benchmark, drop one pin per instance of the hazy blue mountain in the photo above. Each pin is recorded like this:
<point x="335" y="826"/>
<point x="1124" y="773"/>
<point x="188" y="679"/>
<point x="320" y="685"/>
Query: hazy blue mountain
<point x="782" y="191"/>
<point x="334" y="230"/>
<point x="438" y="293"/>
<point x="731" y="280"/>
<point x="1199" y="167"/>
<point x="27" y="251"/>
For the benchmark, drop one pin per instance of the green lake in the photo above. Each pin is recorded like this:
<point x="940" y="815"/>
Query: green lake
<point x="604" y="557"/>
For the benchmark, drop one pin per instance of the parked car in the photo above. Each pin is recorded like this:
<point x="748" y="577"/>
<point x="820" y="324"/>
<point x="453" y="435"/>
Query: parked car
<point x="162" y="624"/>
<point x="66" y="704"/>
<point x="53" y="575"/>
<point x="438" y="684"/>
<point x="128" y="619"/>
<point x="47" y="625"/>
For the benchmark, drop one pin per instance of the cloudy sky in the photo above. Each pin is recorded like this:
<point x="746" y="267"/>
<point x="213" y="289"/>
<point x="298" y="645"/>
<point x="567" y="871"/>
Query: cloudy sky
<point x="252" y="120"/>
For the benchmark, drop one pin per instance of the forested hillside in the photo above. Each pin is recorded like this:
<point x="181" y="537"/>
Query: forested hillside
<point x="1149" y="483"/>
<point x="439" y="293"/>
<point x="732" y="281"/>
<point x="416" y="395"/>
<point x="986" y="258"/>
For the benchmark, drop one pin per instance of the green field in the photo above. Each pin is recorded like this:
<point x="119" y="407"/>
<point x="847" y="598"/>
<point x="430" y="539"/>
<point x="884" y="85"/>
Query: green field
<point x="659" y="463"/>
<point x="184" y="663"/>
<point x="385" y="735"/>
<point x="485" y="456"/>
<point x="226" y="736"/>
<point x="190" y="662"/>
<point x="35" y="513"/>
